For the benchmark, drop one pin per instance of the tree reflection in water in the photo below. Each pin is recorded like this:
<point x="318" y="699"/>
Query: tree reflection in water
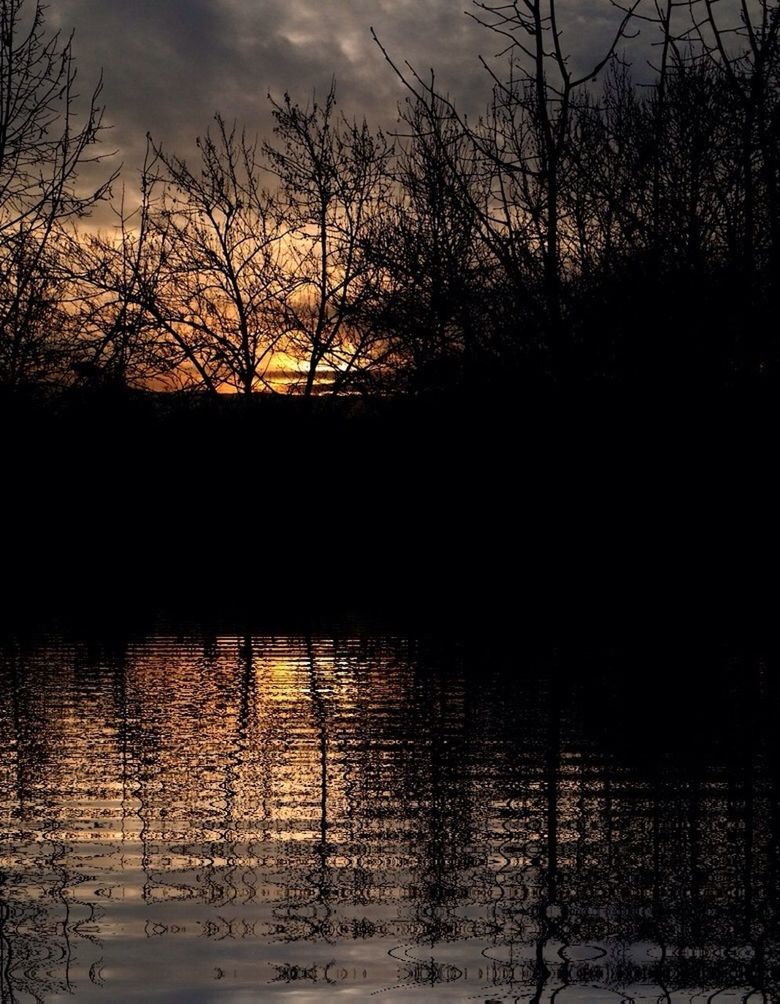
<point x="381" y="816"/>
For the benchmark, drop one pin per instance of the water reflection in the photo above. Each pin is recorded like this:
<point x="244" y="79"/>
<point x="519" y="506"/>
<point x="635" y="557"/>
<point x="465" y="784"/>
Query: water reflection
<point x="237" y="819"/>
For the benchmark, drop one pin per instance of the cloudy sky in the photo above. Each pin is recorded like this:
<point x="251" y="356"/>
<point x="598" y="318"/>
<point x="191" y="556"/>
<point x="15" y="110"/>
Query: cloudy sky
<point x="169" y="65"/>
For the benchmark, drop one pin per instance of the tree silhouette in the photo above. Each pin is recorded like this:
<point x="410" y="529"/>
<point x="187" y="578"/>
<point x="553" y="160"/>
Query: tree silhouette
<point x="118" y="275"/>
<point x="222" y="287"/>
<point x="428" y="242"/>
<point x="594" y="223"/>
<point x="44" y="146"/>
<point x="332" y="174"/>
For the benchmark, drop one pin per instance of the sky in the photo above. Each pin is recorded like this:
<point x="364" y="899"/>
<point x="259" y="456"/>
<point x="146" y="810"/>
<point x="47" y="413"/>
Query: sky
<point x="170" y="65"/>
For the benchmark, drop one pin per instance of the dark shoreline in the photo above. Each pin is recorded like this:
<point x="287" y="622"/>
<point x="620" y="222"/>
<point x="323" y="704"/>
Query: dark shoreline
<point x="600" y="511"/>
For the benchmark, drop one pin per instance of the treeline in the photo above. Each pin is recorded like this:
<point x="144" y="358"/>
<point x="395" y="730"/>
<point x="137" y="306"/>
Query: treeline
<point x="587" y="226"/>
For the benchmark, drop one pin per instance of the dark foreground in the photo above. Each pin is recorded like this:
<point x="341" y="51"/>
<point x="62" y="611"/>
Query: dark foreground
<point x="202" y="818"/>
<point x="455" y="699"/>
<point x="603" y="510"/>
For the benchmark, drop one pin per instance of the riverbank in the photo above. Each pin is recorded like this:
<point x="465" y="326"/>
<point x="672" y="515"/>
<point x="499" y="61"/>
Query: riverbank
<point x="599" y="508"/>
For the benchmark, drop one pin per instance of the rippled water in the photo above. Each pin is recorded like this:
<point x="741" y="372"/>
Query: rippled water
<point x="243" y="819"/>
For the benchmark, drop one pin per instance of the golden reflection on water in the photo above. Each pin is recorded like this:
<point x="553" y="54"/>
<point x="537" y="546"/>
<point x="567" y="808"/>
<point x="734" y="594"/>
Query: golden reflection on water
<point x="238" y="818"/>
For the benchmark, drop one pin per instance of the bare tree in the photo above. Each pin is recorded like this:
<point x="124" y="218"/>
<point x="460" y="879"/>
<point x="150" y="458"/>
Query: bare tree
<point x="118" y="277"/>
<point x="332" y="175"/>
<point x="428" y="239"/>
<point x="534" y="107"/>
<point x="44" y="145"/>
<point x="34" y="332"/>
<point x="527" y="136"/>
<point x="221" y="292"/>
<point x="746" y="51"/>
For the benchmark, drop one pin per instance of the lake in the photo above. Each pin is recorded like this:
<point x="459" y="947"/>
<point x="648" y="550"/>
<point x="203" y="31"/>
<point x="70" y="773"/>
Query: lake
<point x="234" y="819"/>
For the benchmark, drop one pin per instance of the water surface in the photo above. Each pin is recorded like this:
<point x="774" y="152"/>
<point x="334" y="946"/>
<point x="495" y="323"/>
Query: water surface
<point x="242" y="819"/>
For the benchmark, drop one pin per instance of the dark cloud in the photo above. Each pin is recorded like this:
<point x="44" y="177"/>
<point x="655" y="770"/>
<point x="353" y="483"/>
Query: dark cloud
<point x="169" y="65"/>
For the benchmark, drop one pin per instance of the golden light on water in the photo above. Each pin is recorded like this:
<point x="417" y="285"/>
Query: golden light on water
<point x="260" y="806"/>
